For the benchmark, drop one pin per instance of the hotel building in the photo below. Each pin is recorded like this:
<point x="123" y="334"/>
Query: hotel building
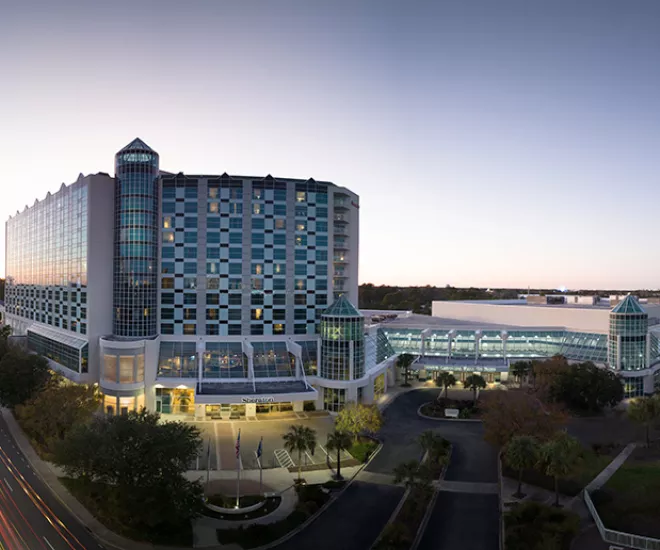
<point x="209" y="296"/>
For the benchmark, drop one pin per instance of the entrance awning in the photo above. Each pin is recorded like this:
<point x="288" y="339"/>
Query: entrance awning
<point x="212" y="393"/>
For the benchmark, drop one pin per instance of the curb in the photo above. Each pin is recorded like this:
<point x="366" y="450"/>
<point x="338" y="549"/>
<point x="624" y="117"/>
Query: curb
<point x="421" y="415"/>
<point x="429" y="509"/>
<point x="392" y="518"/>
<point x="323" y="508"/>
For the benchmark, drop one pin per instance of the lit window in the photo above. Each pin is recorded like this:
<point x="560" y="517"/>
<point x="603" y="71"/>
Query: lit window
<point x="213" y="192"/>
<point x="280" y="223"/>
<point x="300" y="196"/>
<point x="213" y="207"/>
<point x="301" y="226"/>
<point x="256" y="208"/>
<point x="167" y="222"/>
<point x="168" y="236"/>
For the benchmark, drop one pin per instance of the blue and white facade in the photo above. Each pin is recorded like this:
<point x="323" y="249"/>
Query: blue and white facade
<point x="194" y="295"/>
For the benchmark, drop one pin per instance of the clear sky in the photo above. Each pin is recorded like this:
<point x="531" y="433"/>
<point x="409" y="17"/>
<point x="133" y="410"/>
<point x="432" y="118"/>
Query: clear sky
<point x="492" y="143"/>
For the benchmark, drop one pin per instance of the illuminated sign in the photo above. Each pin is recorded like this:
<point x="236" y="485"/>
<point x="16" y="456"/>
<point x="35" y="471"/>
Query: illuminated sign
<point x="136" y="157"/>
<point x="257" y="400"/>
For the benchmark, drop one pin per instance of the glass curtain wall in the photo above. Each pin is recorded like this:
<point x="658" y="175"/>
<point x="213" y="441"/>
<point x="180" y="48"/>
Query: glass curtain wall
<point x="136" y="241"/>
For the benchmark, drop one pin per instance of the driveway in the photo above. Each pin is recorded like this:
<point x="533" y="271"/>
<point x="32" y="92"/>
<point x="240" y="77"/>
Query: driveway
<point x="352" y="522"/>
<point x="462" y="521"/>
<point x="473" y="459"/>
<point x="459" y="521"/>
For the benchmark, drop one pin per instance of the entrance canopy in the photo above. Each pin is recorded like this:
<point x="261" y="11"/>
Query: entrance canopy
<point x="261" y="392"/>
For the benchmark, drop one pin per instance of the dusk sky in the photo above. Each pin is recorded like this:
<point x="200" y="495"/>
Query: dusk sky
<point x="496" y="143"/>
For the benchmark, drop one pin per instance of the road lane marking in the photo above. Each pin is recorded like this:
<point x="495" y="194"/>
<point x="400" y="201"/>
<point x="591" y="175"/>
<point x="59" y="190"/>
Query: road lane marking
<point x="10" y="487"/>
<point x="48" y="543"/>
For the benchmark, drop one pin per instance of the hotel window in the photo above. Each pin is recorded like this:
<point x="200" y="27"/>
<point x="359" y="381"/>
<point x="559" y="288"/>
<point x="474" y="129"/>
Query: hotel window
<point x="301" y="196"/>
<point x="235" y="299"/>
<point x="110" y="368"/>
<point x="278" y="328"/>
<point x="257" y="208"/>
<point x="300" y="284"/>
<point x="258" y="194"/>
<point x="168" y="237"/>
<point x="301" y="226"/>
<point x="167" y="222"/>
<point x="301" y="240"/>
<point x="167" y="282"/>
<point x="235" y="208"/>
<point x="188" y="329"/>
<point x="212" y="283"/>
<point x="213" y="192"/>
<point x="280" y="223"/>
<point x="257" y="314"/>
<point x="126" y="369"/>
<point x="213" y="299"/>
<point x="211" y="314"/>
<point x="213" y="208"/>
<point x="234" y="314"/>
<point x="140" y="368"/>
<point x="279" y="269"/>
<point x="257" y="269"/>
<point x="257" y="284"/>
<point x="279" y="210"/>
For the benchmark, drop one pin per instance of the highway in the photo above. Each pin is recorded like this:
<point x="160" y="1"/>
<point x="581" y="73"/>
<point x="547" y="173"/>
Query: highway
<point x="31" y="517"/>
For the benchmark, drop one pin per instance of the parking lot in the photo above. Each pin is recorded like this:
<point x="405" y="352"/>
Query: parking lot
<point x="219" y="444"/>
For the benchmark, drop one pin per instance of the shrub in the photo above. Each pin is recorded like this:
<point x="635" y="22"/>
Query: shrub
<point x="534" y="526"/>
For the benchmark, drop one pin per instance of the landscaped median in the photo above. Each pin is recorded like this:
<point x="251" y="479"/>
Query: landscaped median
<point x="407" y="524"/>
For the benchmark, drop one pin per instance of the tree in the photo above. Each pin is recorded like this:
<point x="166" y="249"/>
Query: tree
<point x="445" y="380"/>
<point x="412" y="474"/>
<point x="141" y="462"/>
<point x="338" y="441"/>
<point x="545" y="372"/>
<point x="51" y="414"/>
<point x="520" y="369"/>
<point x="358" y="418"/>
<point x="645" y="411"/>
<point x="300" y="438"/>
<point x="5" y="331"/>
<point x="534" y="526"/>
<point x="403" y="362"/>
<point x="475" y="382"/>
<point x="559" y="458"/>
<point x="21" y="376"/>
<point x="586" y="388"/>
<point x="508" y="414"/>
<point x="428" y="440"/>
<point x="521" y="453"/>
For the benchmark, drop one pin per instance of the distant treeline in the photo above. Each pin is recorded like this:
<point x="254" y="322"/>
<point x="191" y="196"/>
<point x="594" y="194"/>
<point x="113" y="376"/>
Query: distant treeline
<point x="419" y="298"/>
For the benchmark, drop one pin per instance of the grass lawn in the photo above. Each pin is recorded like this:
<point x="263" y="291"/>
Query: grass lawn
<point x="591" y="466"/>
<point x="362" y="449"/>
<point x="310" y="500"/>
<point x="96" y="496"/>
<point x="630" y="500"/>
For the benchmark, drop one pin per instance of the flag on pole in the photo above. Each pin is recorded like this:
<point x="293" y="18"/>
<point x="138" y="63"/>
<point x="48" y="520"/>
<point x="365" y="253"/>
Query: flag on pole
<point x="238" y="444"/>
<point x="259" y="447"/>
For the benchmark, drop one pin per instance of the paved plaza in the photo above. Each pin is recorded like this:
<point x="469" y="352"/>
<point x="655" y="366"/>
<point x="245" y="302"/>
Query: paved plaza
<point x="219" y="444"/>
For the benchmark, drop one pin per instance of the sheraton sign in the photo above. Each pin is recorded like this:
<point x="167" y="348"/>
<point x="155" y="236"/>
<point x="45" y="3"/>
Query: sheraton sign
<point x="268" y="399"/>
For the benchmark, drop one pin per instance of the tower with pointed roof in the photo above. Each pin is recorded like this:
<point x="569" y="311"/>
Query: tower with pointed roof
<point x="135" y="284"/>
<point x="627" y="335"/>
<point x="342" y="349"/>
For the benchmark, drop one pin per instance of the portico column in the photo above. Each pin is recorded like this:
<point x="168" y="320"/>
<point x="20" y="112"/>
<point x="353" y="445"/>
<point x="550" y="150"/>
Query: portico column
<point x="350" y="361"/>
<point x="648" y="350"/>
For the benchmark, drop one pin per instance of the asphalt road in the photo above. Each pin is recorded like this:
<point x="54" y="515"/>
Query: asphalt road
<point x="462" y="521"/>
<point x="352" y="522"/>
<point x="31" y="517"/>
<point x="459" y="521"/>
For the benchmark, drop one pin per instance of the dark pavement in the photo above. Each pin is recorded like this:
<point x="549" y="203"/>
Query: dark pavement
<point x="463" y="521"/>
<point x="459" y="520"/>
<point x="31" y="517"/>
<point x="352" y="522"/>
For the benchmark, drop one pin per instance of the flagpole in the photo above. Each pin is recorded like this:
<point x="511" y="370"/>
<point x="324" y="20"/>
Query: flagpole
<point x="238" y="469"/>
<point x="260" y="468"/>
<point x="208" y="462"/>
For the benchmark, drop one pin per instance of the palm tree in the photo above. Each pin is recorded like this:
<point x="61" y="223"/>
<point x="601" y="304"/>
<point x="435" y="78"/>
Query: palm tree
<point x="300" y="438"/>
<point x="411" y="473"/>
<point x="521" y="453"/>
<point x="645" y="411"/>
<point x="403" y="362"/>
<point x="339" y="441"/>
<point x="520" y="369"/>
<point x="475" y="382"/>
<point x="559" y="458"/>
<point x="445" y="380"/>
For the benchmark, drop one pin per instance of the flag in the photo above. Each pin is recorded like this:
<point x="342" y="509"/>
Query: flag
<point x="259" y="447"/>
<point x="238" y="444"/>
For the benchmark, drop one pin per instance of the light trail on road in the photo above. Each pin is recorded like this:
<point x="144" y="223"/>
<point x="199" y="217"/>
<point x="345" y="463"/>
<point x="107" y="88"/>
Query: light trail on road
<point x="15" y="529"/>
